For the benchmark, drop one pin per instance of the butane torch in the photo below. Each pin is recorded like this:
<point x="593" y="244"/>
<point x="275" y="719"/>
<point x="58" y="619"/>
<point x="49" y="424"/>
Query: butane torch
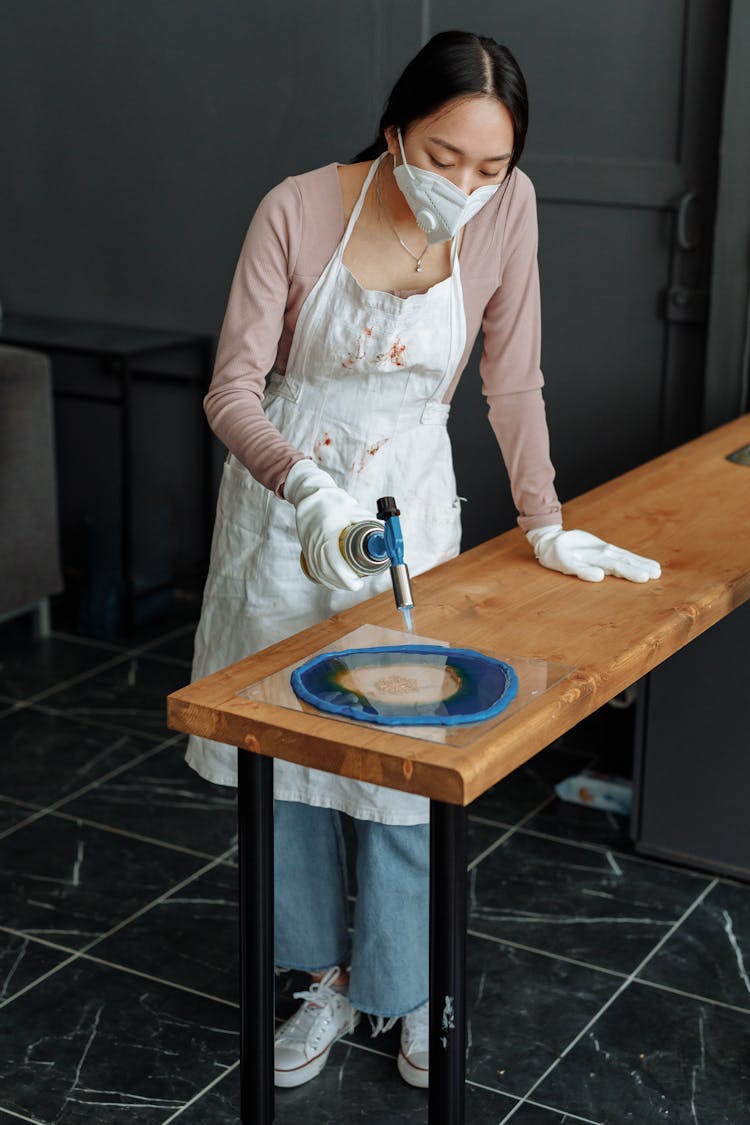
<point x="394" y="549"/>
<point x="370" y="548"/>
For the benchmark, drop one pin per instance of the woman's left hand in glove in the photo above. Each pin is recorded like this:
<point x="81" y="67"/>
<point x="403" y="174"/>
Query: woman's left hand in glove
<point x="588" y="557"/>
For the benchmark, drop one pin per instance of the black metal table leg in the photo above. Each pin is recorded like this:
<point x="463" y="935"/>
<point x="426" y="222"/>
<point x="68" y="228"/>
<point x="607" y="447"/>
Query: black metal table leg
<point x="448" y="881"/>
<point x="255" y="856"/>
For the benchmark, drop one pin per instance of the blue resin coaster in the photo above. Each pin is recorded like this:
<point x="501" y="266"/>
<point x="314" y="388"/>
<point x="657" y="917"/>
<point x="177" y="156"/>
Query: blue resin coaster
<point x="407" y="685"/>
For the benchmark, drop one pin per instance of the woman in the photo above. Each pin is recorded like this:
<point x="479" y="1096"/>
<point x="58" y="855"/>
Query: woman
<point x="362" y="288"/>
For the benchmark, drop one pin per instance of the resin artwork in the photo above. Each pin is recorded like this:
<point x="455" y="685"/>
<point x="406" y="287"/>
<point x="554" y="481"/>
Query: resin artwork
<point x="403" y="685"/>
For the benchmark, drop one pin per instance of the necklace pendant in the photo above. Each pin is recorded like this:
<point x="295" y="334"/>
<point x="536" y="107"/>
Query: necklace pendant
<point x="419" y="265"/>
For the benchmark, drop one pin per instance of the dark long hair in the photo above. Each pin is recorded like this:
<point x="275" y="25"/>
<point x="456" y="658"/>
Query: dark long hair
<point x="455" y="64"/>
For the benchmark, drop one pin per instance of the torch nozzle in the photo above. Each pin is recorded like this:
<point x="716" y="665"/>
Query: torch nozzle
<point x="402" y="586"/>
<point x="394" y="546"/>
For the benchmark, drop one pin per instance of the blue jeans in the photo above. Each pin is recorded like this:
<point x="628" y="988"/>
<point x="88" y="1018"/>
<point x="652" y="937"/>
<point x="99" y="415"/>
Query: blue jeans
<point x="389" y="949"/>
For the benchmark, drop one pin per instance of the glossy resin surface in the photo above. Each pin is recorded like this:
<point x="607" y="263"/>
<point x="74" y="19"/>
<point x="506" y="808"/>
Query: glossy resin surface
<point x="407" y="685"/>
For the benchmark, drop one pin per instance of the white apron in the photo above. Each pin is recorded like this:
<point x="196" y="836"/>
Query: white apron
<point x="361" y="395"/>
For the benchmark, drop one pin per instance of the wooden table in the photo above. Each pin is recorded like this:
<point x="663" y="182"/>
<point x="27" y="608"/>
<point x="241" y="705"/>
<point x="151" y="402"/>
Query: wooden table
<point x="689" y="509"/>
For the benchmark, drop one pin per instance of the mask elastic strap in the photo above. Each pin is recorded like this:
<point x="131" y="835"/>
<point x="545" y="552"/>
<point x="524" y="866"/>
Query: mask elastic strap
<point x="409" y="172"/>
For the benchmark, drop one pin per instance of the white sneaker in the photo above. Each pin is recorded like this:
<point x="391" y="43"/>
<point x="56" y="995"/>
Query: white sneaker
<point x="413" y="1058"/>
<point x="303" y="1043"/>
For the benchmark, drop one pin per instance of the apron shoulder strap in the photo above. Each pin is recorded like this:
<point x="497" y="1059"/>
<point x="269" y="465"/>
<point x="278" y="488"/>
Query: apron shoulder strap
<point x="360" y="202"/>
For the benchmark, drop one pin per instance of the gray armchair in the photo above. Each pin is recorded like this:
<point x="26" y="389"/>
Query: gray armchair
<point x="29" y="537"/>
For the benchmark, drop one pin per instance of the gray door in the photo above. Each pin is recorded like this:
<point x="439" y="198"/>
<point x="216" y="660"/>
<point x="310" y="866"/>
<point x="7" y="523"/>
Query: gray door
<point x="625" y="104"/>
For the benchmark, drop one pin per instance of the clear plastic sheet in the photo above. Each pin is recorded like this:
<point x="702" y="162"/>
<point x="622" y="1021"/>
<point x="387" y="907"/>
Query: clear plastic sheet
<point x="534" y="678"/>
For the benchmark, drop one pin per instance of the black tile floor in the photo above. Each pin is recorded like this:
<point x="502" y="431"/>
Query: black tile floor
<point x="603" y="987"/>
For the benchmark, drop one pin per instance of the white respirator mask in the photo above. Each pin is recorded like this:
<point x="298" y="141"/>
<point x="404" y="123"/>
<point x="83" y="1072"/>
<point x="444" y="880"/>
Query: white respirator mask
<point x="439" y="207"/>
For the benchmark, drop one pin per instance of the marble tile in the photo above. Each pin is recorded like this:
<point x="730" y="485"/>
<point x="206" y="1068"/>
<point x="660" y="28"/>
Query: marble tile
<point x="655" y="1057"/>
<point x="17" y="632"/>
<point x="45" y="756"/>
<point x="181" y="615"/>
<point x="190" y="938"/>
<point x="162" y="798"/>
<point x="585" y="825"/>
<point x="481" y="837"/>
<point x="7" y="705"/>
<point x="131" y="695"/>
<point x="356" y="1085"/>
<point x="524" y="789"/>
<point x="22" y="961"/>
<point x="95" y="1045"/>
<point x="577" y="902"/>
<point x="522" y="1011"/>
<point x="532" y="1114"/>
<point x="709" y="955"/>
<point x="71" y="883"/>
<point x="12" y="815"/>
<point x="119" y="1046"/>
<point x="30" y="665"/>
<point x="176" y="647"/>
<point x="523" y="1008"/>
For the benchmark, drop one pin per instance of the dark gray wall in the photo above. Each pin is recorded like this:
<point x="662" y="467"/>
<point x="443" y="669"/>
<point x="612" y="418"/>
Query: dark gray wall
<point x="136" y="141"/>
<point x="138" y="138"/>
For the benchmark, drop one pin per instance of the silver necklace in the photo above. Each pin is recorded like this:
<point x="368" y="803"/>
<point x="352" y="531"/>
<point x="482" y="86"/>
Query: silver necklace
<point x="417" y="257"/>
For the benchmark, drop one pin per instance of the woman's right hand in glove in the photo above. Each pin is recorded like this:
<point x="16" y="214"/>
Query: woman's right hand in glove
<point x="322" y="511"/>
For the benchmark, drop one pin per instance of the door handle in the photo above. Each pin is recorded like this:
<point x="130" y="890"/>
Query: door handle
<point x="685" y="304"/>
<point x="683" y="238"/>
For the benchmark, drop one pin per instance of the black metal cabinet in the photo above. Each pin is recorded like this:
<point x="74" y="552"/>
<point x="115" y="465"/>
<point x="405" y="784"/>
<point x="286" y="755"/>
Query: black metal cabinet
<point x="125" y="356"/>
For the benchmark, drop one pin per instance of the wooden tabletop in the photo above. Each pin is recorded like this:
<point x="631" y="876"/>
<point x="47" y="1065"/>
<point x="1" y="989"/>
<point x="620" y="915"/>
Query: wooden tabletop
<point x="689" y="509"/>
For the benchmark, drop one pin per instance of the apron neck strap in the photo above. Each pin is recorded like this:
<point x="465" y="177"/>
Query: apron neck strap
<point x="360" y="201"/>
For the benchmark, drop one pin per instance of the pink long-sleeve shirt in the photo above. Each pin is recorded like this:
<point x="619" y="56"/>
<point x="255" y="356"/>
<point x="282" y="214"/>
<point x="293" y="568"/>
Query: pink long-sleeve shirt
<point x="292" y="237"/>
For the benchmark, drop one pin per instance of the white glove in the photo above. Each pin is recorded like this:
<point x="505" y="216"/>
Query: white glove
<point x="586" y="556"/>
<point x="322" y="511"/>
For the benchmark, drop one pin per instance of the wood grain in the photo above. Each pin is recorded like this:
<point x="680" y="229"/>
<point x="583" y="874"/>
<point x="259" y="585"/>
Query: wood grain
<point x="690" y="509"/>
